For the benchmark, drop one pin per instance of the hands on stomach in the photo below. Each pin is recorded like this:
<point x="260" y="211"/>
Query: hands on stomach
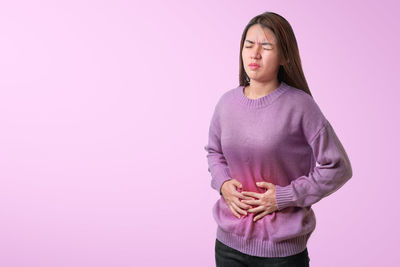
<point x="243" y="202"/>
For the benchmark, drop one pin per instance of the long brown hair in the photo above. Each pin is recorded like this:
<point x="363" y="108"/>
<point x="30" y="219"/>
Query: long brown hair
<point x="291" y="72"/>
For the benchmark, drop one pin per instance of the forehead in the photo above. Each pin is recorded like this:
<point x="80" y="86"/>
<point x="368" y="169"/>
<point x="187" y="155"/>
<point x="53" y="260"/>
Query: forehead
<point x="256" y="33"/>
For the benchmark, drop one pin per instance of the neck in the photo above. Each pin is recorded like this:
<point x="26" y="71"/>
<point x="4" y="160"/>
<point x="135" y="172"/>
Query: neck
<point x="259" y="89"/>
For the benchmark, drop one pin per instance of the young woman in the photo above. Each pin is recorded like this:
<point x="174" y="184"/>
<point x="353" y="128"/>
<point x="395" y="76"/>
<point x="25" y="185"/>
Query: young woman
<point x="271" y="153"/>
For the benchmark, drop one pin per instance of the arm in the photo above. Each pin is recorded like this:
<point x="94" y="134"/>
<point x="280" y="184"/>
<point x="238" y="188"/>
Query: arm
<point x="333" y="171"/>
<point x="217" y="164"/>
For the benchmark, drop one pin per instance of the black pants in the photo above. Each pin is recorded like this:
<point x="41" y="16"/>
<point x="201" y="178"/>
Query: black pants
<point x="226" y="256"/>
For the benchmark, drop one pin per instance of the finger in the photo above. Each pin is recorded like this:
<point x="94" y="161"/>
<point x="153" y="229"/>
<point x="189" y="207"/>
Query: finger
<point x="237" y="183"/>
<point x="238" y="209"/>
<point x="263" y="185"/>
<point x="259" y="216"/>
<point x="240" y="195"/>
<point x="251" y="194"/>
<point x="241" y="204"/>
<point x="246" y="197"/>
<point x="256" y="209"/>
<point x="251" y="202"/>
<point x="234" y="212"/>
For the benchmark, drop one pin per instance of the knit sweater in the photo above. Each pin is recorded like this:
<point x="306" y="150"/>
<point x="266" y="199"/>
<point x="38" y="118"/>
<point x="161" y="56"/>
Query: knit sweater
<point x="281" y="138"/>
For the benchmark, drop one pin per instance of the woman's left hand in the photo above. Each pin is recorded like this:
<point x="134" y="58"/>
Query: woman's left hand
<point x="266" y="202"/>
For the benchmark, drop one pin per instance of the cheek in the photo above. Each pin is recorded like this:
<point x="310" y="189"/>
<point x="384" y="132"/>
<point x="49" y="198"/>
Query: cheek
<point x="270" y="61"/>
<point x="244" y="56"/>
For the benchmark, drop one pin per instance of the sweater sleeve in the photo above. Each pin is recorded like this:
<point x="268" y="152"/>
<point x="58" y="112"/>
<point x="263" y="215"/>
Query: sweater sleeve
<point x="332" y="170"/>
<point x="217" y="164"/>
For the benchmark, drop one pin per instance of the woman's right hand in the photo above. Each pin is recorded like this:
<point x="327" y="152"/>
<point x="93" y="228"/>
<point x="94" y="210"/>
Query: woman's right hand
<point x="231" y="196"/>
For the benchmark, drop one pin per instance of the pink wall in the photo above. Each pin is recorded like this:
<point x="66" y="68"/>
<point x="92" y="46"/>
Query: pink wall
<point x="105" y="108"/>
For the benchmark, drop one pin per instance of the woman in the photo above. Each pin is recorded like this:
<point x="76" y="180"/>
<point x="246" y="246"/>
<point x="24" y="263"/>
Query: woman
<point x="271" y="153"/>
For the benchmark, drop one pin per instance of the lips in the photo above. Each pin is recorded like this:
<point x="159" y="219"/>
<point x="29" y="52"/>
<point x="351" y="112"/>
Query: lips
<point x="253" y="66"/>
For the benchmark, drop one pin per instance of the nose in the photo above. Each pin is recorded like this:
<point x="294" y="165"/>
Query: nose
<point x="255" y="52"/>
<point x="255" y="55"/>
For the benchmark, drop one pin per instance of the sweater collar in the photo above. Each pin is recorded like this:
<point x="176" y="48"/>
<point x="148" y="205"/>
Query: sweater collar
<point x="262" y="101"/>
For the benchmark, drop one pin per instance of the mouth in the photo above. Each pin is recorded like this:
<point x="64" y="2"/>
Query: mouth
<point x="254" y="66"/>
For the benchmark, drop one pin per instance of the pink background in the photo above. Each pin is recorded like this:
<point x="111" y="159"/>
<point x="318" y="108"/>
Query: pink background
<point x="105" y="108"/>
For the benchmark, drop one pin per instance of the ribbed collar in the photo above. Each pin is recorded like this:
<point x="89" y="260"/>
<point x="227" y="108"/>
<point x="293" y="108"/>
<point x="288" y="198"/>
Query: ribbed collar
<point x="262" y="101"/>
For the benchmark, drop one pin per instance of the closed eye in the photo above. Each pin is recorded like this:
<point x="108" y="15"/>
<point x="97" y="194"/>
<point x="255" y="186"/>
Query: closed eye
<point x="250" y="47"/>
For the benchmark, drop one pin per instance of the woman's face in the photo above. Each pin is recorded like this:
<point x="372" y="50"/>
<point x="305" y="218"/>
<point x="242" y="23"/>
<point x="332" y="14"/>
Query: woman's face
<point x="260" y="48"/>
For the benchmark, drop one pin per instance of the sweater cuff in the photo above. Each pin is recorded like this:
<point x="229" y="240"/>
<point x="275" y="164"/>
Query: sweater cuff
<point x="283" y="196"/>
<point x="223" y="176"/>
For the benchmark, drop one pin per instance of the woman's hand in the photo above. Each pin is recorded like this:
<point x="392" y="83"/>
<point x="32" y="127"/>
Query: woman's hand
<point x="266" y="202"/>
<point x="231" y="196"/>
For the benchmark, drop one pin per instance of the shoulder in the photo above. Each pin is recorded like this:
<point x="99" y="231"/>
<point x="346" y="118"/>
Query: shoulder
<point x="227" y="97"/>
<point x="311" y="117"/>
<point x="299" y="97"/>
<point x="304" y="104"/>
<point x="223" y="103"/>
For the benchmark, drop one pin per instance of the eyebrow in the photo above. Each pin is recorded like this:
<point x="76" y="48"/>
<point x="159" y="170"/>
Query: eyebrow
<point x="265" y="43"/>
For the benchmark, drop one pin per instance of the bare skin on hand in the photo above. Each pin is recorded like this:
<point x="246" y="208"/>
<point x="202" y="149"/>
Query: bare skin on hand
<point x="243" y="202"/>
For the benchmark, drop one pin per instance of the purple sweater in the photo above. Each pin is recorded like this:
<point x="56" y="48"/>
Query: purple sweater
<point x="282" y="138"/>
